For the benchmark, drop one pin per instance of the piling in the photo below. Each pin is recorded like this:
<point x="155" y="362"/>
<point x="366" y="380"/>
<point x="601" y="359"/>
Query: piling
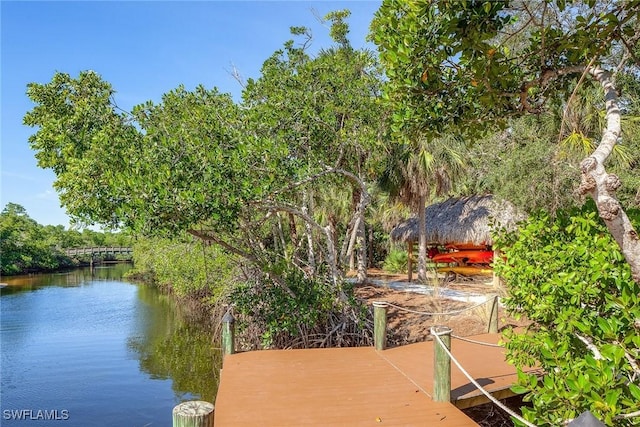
<point x="195" y="413"/>
<point x="380" y="325"/>
<point x="492" y="309"/>
<point x="441" y="364"/>
<point x="228" y="334"/>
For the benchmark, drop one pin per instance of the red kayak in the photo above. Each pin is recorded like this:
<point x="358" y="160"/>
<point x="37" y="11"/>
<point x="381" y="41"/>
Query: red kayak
<point x="466" y="247"/>
<point x="466" y="257"/>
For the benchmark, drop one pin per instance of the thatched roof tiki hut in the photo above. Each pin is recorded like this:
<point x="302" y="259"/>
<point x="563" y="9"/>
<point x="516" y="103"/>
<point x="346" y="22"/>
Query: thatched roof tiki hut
<point x="459" y="221"/>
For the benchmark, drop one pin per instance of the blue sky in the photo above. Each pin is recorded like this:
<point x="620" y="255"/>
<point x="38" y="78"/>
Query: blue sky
<point x="143" y="49"/>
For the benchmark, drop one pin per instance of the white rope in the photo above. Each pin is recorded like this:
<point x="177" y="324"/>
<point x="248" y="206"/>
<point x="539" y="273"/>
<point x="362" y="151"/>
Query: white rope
<point x="379" y="353"/>
<point x="488" y="344"/>
<point x="478" y="386"/>
<point x="446" y="313"/>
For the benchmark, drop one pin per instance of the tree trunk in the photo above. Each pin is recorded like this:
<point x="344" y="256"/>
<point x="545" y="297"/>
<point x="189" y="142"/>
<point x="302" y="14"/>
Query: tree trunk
<point x="601" y="186"/>
<point x="352" y="243"/>
<point x="293" y="230"/>
<point x="349" y="240"/>
<point x="370" y="239"/>
<point x="332" y="260"/>
<point x="361" y="243"/>
<point x="311" y="256"/>
<point x="422" y="237"/>
<point x="410" y="261"/>
<point x="280" y="231"/>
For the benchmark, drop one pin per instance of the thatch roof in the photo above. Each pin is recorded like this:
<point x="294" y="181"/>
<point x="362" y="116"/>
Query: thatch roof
<point x="465" y="220"/>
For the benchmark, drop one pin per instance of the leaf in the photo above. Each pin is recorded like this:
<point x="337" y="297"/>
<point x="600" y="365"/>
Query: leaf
<point x="518" y="389"/>
<point x="635" y="391"/>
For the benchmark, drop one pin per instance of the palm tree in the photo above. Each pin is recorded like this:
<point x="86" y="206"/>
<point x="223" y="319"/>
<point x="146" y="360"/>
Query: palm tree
<point x="417" y="171"/>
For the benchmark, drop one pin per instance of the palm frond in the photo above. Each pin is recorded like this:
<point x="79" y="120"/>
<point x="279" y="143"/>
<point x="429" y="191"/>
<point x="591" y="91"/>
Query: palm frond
<point x="622" y="156"/>
<point x="578" y="142"/>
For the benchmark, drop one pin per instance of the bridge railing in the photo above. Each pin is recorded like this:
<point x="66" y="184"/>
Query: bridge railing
<point x="100" y="250"/>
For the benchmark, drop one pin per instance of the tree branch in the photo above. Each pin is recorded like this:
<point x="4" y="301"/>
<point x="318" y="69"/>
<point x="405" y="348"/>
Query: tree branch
<point x="331" y="252"/>
<point x="210" y="237"/>
<point x="601" y="186"/>
<point x="594" y="350"/>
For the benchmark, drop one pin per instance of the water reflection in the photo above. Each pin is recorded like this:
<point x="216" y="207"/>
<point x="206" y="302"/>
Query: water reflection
<point x="172" y="347"/>
<point x="67" y="278"/>
<point x="79" y="337"/>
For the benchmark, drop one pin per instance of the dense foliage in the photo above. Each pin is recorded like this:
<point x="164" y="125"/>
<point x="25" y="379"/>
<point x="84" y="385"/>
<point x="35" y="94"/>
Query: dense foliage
<point x="567" y="275"/>
<point x="27" y="246"/>
<point x="240" y="175"/>
<point x="532" y="164"/>
<point x="279" y="181"/>
<point x="185" y="266"/>
<point x="397" y="261"/>
<point x="311" y="317"/>
<point x="468" y="67"/>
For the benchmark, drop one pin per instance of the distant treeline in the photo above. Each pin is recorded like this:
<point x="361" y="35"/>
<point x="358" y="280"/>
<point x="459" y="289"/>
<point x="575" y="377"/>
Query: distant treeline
<point x="26" y="246"/>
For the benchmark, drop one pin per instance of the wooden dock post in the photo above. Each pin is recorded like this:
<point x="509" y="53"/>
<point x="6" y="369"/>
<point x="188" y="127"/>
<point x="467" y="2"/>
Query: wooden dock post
<point x="196" y="413"/>
<point x="441" y="365"/>
<point x="228" y="334"/>
<point x="380" y="324"/>
<point x="492" y="309"/>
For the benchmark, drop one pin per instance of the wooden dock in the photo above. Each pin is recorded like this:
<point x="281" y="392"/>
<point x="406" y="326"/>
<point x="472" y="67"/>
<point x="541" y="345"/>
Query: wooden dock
<point x="356" y="386"/>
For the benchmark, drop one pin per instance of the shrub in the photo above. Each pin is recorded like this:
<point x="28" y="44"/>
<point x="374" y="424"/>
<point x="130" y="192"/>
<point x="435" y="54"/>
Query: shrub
<point x="568" y="276"/>
<point x="396" y="261"/>
<point x="186" y="266"/>
<point x="269" y="316"/>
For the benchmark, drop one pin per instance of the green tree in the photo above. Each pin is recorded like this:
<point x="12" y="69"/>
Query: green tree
<point x="234" y="175"/>
<point x="469" y="66"/>
<point x="532" y="162"/>
<point x="414" y="173"/>
<point x="57" y="236"/>
<point x="79" y="132"/>
<point x="25" y="245"/>
<point x="325" y="110"/>
<point x="198" y="162"/>
<point x="184" y="265"/>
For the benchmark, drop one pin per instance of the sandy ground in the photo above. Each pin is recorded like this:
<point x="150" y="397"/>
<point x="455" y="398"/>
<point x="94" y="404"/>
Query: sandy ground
<point x="435" y="297"/>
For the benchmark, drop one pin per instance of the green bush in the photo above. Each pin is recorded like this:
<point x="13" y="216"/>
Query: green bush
<point x="270" y="317"/>
<point x="568" y="276"/>
<point x="396" y="261"/>
<point x="186" y="266"/>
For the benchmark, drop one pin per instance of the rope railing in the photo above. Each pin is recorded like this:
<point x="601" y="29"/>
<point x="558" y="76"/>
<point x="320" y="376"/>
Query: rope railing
<point x="380" y="319"/>
<point x="444" y="348"/>
<point x="444" y="313"/>
<point x="469" y="340"/>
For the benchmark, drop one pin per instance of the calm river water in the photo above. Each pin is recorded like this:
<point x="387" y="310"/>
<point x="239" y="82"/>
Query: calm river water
<point x="90" y="349"/>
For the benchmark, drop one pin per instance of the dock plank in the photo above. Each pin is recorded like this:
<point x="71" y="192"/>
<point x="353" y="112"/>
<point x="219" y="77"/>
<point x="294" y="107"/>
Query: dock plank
<point x="351" y="386"/>
<point x="487" y="365"/>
